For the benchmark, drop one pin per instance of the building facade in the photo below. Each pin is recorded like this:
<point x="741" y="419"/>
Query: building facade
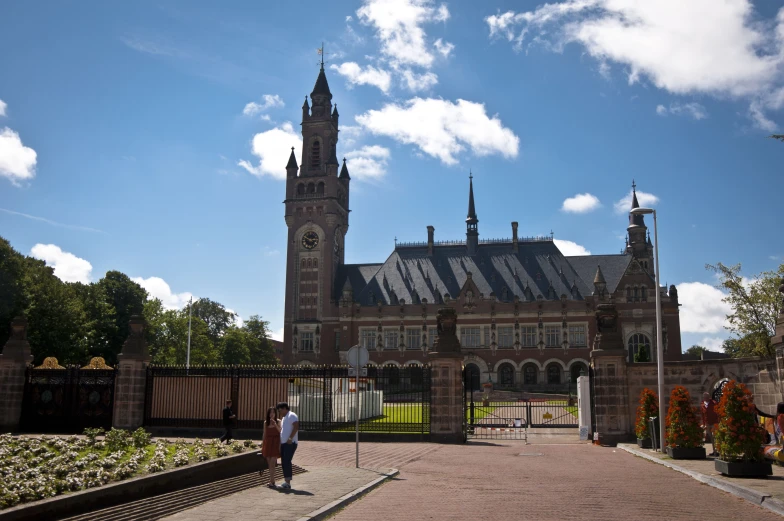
<point x="526" y="312"/>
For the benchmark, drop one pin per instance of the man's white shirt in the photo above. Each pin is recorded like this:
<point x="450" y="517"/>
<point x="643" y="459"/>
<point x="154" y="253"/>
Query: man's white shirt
<point x="287" y="426"/>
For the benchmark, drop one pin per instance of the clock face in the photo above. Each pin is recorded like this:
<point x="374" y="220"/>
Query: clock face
<point x="310" y="240"/>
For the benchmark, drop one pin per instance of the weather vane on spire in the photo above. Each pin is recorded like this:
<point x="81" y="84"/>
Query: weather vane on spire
<point x="321" y="53"/>
<point x="634" y="186"/>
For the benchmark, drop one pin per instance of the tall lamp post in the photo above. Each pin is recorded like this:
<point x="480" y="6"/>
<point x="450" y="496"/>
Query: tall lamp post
<point x="659" y="339"/>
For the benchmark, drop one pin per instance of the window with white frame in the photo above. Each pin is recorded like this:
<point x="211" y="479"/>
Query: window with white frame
<point x="306" y="341"/>
<point x="552" y="336"/>
<point x="486" y="336"/>
<point x="469" y="337"/>
<point x="505" y="336"/>
<point x="390" y="339"/>
<point x="368" y="338"/>
<point x="577" y="336"/>
<point x="528" y="336"/>
<point x="432" y="334"/>
<point x="413" y="340"/>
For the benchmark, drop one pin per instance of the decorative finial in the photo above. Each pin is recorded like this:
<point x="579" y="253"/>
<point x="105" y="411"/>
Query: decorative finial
<point x="344" y="160"/>
<point x="292" y="149"/>
<point x="321" y="53"/>
<point x="634" y="186"/>
<point x="551" y="234"/>
<point x="470" y="174"/>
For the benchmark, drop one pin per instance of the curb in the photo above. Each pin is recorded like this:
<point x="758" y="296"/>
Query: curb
<point x="352" y="496"/>
<point x="749" y="494"/>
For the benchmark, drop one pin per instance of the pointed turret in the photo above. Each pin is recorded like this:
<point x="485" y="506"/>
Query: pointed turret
<point x="322" y="86"/>
<point x="472" y="228"/>
<point x="335" y="115"/>
<point x="291" y="167"/>
<point x="305" y="110"/>
<point x="638" y="244"/>
<point x="344" y="171"/>
<point x="635" y="220"/>
<point x="332" y="163"/>
<point x="599" y="284"/>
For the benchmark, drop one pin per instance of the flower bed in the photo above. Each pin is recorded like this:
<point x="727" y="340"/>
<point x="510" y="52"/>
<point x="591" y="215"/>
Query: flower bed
<point x="683" y="427"/>
<point x="38" y="468"/>
<point x="649" y="406"/>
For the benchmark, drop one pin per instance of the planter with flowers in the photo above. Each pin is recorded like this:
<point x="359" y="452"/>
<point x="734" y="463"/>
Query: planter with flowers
<point x="684" y="434"/>
<point x="649" y="406"/>
<point x="739" y="438"/>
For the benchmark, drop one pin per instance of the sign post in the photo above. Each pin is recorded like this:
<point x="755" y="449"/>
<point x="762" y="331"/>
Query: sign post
<point x="357" y="358"/>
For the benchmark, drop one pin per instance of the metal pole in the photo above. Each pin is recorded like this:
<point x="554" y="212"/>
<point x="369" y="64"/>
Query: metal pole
<point x="356" y="388"/>
<point x="659" y="340"/>
<point x="188" y="354"/>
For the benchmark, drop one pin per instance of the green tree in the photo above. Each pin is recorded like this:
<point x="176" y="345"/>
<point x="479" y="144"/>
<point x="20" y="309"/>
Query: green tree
<point x="127" y="299"/>
<point x="237" y="345"/>
<point x="215" y="315"/>
<point x="263" y="352"/>
<point x="696" y="350"/>
<point x="100" y="325"/>
<point x="12" y="295"/>
<point x="642" y="355"/>
<point x="755" y="306"/>
<point x="169" y="333"/>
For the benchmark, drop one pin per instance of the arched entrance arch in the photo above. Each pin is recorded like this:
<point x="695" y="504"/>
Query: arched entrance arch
<point x="472" y="376"/>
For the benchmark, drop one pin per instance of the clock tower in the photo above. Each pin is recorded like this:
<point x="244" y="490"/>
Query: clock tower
<point x="317" y="219"/>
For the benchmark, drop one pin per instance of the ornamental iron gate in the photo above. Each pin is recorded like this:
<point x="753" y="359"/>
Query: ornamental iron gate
<point x="68" y="399"/>
<point x="509" y="415"/>
<point x="392" y="400"/>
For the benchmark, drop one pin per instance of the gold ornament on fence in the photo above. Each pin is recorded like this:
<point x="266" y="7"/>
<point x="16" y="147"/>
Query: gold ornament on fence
<point x="97" y="363"/>
<point x="50" y="363"/>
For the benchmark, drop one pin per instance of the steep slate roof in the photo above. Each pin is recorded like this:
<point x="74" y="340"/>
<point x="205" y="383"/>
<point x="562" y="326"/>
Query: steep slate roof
<point x="411" y="274"/>
<point x="321" y="86"/>
<point x="358" y="275"/>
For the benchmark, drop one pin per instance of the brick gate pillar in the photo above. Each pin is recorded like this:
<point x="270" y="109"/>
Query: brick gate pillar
<point x="610" y="383"/>
<point x="14" y="360"/>
<point x="130" y="382"/>
<point x="446" y="385"/>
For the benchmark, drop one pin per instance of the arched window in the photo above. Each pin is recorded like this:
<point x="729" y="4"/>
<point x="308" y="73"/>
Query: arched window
<point x="392" y="374"/>
<point x="636" y="293"/>
<point x="302" y="264"/>
<point x="506" y="375"/>
<point x="472" y="377"/>
<point x="554" y="373"/>
<point x="577" y="368"/>
<point x="644" y="294"/>
<point x="315" y="263"/>
<point x="315" y="154"/>
<point x="637" y="342"/>
<point x="530" y="373"/>
<point x="310" y="263"/>
<point x="320" y="189"/>
<point x="628" y="293"/>
<point x="414" y="371"/>
<point x="311" y="188"/>
<point x="301" y="189"/>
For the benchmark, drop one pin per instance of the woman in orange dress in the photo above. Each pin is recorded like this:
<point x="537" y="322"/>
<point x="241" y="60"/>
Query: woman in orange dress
<point x="270" y="443"/>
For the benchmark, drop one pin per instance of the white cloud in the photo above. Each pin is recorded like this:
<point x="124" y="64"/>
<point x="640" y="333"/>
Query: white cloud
<point x="581" y="203"/>
<point x="270" y="252"/>
<point x="349" y="19"/>
<point x="370" y="75"/>
<point x="702" y="308"/>
<point x="277" y="335"/>
<point x="269" y="101"/>
<point x="445" y="49"/>
<point x="712" y="343"/>
<point x="368" y="162"/>
<point x="398" y="25"/>
<point x="17" y="162"/>
<point x="417" y="82"/>
<point x="158" y="288"/>
<point x="273" y="148"/>
<point x="722" y="48"/>
<point x="760" y="120"/>
<point x="645" y="199"/>
<point x="237" y="318"/>
<point x="3" y="106"/>
<point x="694" y="110"/>
<point x="570" y="249"/>
<point x="349" y="134"/>
<point x="67" y="266"/>
<point x="442" y="129"/>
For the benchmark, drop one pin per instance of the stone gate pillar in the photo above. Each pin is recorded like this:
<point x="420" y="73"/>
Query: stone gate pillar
<point x="611" y="390"/>
<point x="14" y="360"/>
<point x="131" y="381"/>
<point x="777" y="342"/>
<point x="446" y="387"/>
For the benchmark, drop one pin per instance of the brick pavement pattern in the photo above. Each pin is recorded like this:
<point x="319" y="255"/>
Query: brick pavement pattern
<point x="563" y="482"/>
<point x="312" y="490"/>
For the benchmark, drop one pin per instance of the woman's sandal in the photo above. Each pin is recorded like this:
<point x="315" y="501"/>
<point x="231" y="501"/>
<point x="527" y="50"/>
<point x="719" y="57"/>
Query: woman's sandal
<point x="270" y="485"/>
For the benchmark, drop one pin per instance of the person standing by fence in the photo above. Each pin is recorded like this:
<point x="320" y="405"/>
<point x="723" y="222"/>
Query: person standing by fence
<point x="270" y="443"/>
<point x="289" y="438"/>
<point x="709" y="418"/>
<point x="228" y="423"/>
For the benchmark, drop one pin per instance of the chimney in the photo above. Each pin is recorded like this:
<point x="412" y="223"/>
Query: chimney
<point x="514" y="237"/>
<point x="430" y="233"/>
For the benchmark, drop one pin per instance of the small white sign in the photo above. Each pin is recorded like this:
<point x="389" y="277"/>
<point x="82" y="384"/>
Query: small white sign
<point x="353" y="372"/>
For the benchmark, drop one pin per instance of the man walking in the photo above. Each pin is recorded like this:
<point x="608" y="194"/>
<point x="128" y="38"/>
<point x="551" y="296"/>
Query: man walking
<point x="709" y="419"/>
<point x="228" y="423"/>
<point x="289" y="429"/>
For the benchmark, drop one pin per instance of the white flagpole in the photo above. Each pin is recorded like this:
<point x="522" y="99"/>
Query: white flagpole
<point x="188" y="355"/>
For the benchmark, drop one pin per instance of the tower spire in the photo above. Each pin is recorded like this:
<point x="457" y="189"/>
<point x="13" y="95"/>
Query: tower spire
<point x="635" y="220"/>
<point x="472" y="228"/>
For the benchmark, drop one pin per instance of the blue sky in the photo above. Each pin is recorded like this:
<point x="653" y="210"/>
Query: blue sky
<point x="151" y="137"/>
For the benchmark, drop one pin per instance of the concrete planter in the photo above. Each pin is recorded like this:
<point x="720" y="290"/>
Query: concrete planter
<point x="644" y="443"/>
<point x="749" y="469"/>
<point x="133" y="489"/>
<point x="686" y="452"/>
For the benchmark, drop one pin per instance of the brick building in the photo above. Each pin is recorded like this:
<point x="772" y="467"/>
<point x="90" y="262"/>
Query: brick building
<point x="525" y="311"/>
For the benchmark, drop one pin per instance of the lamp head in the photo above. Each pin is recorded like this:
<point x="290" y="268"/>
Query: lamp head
<point x="642" y="211"/>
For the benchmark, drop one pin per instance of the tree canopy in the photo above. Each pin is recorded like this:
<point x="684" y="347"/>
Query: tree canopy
<point x="755" y="304"/>
<point x="74" y="322"/>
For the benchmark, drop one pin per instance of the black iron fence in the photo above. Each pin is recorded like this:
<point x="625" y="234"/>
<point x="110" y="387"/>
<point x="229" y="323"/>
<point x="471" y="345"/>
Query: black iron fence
<point x="67" y="399"/>
<point x="391" y="400"/>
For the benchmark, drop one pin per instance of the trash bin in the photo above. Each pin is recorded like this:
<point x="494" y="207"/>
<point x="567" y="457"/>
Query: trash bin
<point x="653" y="428"/>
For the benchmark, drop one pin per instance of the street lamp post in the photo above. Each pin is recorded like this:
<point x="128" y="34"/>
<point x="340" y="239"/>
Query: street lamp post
<point x="659" y="340"/>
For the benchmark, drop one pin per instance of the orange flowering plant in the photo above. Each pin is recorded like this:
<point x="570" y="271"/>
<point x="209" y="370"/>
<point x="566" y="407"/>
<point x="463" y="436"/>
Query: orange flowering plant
<point x="683" y="427"/>
<point x="738" y="437"/>
<point x="649" y="406"/>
